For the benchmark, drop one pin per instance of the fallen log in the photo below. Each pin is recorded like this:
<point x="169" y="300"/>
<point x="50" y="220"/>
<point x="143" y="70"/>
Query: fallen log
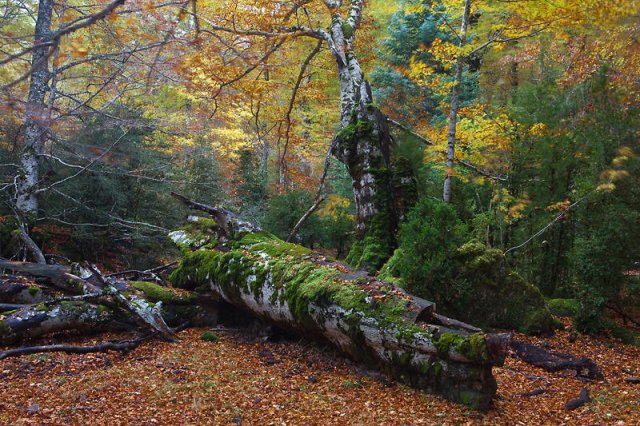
<point x="58" y="275"/>
<point x="19" y="290"/>
<point x="373" y="321"/>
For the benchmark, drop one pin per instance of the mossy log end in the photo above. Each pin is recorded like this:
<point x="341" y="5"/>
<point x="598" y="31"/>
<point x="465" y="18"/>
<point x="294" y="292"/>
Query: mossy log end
<point x="373" y="321"/>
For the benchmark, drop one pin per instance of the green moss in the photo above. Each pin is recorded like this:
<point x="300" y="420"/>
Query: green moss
<point x="102" y="309"/>
<point x="257" y="237"/>
<point x="473" y="347"/>
<point x="347" y="30"/>
<point x="209" y="336"/>
<point x="157" y="293"/>
<point x="276" y="248"/>
<point x="202" y="233"/>
<point x="472" y="399"/>
<point x="476" y="349"/>
<point x="352" y="131"/>
<point x="536" y="321"/>
<point x="564" y="307"/>
<point x="375" y="248"/>
<point x="445" y="341"/>
<point x="33" y="290"/>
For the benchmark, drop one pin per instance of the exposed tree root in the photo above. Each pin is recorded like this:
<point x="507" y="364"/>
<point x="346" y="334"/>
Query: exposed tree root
<point x="551" y="361"/>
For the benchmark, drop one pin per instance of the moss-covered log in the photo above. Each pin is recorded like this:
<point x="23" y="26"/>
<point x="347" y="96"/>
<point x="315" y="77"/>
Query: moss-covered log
<point x="102" y="311"/>
<point x="371" y="320"/>
<point x="42" y="319"/>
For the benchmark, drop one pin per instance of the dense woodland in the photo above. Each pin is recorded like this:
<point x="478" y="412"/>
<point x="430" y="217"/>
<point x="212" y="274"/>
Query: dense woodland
<point x="427" y="186"/>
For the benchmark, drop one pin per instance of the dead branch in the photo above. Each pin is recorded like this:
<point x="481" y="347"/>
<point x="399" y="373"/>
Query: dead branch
<point x="123" y="345"/>
<point x="4" y="307"/>
<point x="318" y="198"/>
<point x="143" y="312"/>
<point x="31" y="245"/>
<point x="58" y="275"/>
<point x="138" y="274"/>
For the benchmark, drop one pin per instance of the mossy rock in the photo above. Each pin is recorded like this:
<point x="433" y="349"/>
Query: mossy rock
<point x="564" y="307"/>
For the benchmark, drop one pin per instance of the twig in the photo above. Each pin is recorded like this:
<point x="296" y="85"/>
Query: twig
<point x="151" y="271"/>
<point x="547" y="226"/>
<point x="294" y="94"/>
<point x="318" y="198"/>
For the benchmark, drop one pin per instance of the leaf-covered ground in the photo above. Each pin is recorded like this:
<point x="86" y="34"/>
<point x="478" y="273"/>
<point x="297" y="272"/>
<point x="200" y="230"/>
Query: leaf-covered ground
<point x="239" y="381"/>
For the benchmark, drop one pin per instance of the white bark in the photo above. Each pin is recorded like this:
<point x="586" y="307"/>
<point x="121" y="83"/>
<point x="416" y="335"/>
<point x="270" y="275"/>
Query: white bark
<point x="36" y="113"/>
<point x="455" y="100"/>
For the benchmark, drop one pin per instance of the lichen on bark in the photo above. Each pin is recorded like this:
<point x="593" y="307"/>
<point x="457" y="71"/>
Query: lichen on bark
<point x="371" y="320"/>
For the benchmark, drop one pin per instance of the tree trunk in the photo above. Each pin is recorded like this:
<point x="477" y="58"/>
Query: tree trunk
<point x="371" y="320"/>
<point x="364" y="145"/>
<point x="35" y="126"/>
<point x="455" y="101"/>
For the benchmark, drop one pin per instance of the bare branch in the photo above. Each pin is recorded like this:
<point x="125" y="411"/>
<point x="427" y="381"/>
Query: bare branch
<point x="318" y="198"/>
<point x="303" y="70"/>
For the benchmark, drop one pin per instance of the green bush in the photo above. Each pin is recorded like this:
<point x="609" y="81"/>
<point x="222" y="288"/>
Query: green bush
<point x="599" y="260"/>
<point x="466" y="280"/>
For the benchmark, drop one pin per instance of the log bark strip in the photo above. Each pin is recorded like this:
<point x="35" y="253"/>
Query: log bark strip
<point x="371" y="320"/>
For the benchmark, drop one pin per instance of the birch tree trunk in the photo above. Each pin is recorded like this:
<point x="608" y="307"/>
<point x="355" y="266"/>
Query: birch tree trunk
<point x="35" y="125"/>
<point x="455" y="102"/>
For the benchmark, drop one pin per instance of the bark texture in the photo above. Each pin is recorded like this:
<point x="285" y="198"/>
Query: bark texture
<point x="371" y="320"/>
<point x="35" y="126"/>
<point x="364" y="145"/>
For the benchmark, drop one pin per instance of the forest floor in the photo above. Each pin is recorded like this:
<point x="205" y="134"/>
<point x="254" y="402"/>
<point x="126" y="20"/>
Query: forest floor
<point x="242" y="381"/>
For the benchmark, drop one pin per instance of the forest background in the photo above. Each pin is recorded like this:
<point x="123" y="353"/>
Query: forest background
<point x="230" y="103"/>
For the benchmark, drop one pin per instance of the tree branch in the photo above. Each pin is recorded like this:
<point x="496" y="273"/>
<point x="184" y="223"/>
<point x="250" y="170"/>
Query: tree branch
<point x="124" y="345"/>
<point x="318" y="198"/>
